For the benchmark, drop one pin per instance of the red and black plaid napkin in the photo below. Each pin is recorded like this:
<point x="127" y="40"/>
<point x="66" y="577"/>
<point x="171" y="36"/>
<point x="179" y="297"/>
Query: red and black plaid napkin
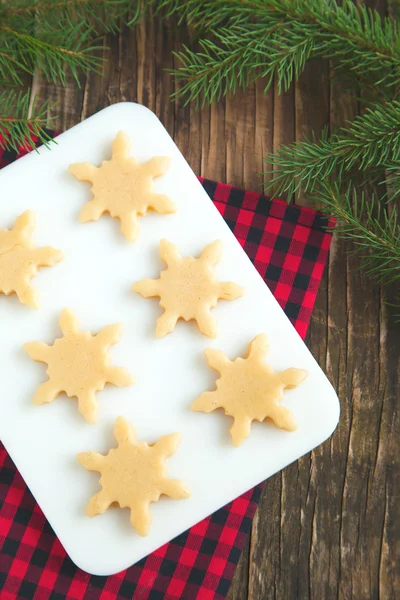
<point x="288" y="245"/>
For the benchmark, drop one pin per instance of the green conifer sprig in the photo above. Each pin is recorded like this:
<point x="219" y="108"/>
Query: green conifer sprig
<point x="374" y="229"/>
<point x="239" y="41"/>
<point x="102" y="15"/>
<point x="53" y="37"/>
<point x="14" y="108"/>
<point x="372" y="140"/>
<point x="54" y="52"/>
<point x="244" y="40"/>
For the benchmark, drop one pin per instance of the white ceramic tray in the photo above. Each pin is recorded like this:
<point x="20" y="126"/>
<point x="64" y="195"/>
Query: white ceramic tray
<point x="94" y="281"/>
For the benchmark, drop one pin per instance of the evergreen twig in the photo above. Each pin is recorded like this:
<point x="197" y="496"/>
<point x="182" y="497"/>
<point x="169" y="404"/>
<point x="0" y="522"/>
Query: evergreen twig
<point x="102" y="15"/>
<point x="17" y="129"/>
<point x="375" y="232"/>
<point x="372" y="140"/>
<point x="52" y="51"/>
<point x="52" y="37"/>
<point x="244" y="40"/>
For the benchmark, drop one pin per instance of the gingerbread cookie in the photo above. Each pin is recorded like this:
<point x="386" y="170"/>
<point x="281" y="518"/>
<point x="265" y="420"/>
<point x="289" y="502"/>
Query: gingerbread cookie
<point x="133" y="475"/>
<point x="78" y="364"/>
<point x="188" y="288"/>
<point x="20" y="260"/>
<point x="249" y="390"/>
<point x="123" y="187"/>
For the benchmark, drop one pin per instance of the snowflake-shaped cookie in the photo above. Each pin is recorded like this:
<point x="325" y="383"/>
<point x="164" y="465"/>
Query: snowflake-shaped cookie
<point x="249" y="390"/>
<point x="133" y="475"/>
<point x="188" y="288"/>
<point x="20" y="260"/>
<point x="123" y="187"/>
<point x="78" y="364"/>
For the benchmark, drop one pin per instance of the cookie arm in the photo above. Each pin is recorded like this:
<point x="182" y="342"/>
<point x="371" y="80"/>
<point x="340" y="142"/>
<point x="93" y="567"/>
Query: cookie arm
<point x="141" y="518"/>
<point x="166" y="323"/>
<point x="121" y="145"/>
<point x="212" y="253"/>
<point x="38" y="351"/>
<point x="259" y="347"/>
<point x="216" y="359"/>
<point x="168" y="444"/>
<point x="169" y="252"/>
<point x="282" y="418"/>
<point x="91" y="461"/>
<point x="20" y="234"/>
<point x="25" y="225"/>
<point x="124" y="432"/>
<point x="110" y="334"/>
<point x="129" y="226"/>
<point x="161" y="203"/>
<point x="68" y="322"/>
<point x="230" y="291"/>
<point x="206" y="322"/>
<point x="87" y="405"/>
<point x="148" y="288"/>
<point x="46" y="393"/>
<point x="91" y="211"/>
<point x="175" y="489"/>
<point x="27" y="294"/>
<point x="240" y="430"/>
<point x="47" y="256"/>
<point x="293" y="377"/>
<point x="84" y="171"/>
<point x="207" y="402"/>
<point x="156" y="166"/>
<point x="98" y="504"/>
<point x="119" y="376"/>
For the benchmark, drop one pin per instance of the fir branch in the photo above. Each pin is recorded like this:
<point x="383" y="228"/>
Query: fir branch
<point x="392" y="181"/>
<point x="18" y="125"/>
<point x="10" y="66"/>
<point x="54" y="37"/>
<point x="102" y="15"/>
<point x="374" y="231"/>
<point x="244" y="40"/>
<point x="52" y="51"/>
<point x="251" y="39"/>
<point x="371" y="141"/>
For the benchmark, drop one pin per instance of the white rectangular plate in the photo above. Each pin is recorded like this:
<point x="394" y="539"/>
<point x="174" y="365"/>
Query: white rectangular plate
<point x="94" y="281"/>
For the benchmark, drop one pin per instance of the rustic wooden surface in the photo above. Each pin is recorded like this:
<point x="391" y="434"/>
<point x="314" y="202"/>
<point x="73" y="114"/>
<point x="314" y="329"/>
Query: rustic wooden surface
<point x="326" y="526"/>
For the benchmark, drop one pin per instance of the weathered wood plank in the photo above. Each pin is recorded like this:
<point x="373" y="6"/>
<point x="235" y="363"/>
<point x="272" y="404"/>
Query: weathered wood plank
<point x="312" y="115"/>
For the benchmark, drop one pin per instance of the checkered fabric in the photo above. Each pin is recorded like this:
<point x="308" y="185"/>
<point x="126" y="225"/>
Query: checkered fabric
<point x="288" y="245"/>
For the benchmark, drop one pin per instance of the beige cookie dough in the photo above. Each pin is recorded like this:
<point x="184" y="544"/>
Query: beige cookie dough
<point x="20" y="260"/>
<point x="249" y="390"/>
<point x="123" y="187"/>
<point x="78" y="364"/>
<point x="133" y="475"/>
<point x="188" y="288"/>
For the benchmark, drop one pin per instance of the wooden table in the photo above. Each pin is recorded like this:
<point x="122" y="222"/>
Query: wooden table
<point x="326" y="526"/>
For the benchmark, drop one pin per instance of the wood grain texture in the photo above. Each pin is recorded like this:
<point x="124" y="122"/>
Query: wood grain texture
<point x="326" y="526"/>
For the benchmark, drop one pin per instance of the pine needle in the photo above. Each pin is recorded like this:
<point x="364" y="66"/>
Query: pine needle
<point x="244" y="40"/>
<point x="17" y="127"/>
<point x="374" y="231"/>
<point x="53" y="37"/>
<point x="371" y="141"/>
